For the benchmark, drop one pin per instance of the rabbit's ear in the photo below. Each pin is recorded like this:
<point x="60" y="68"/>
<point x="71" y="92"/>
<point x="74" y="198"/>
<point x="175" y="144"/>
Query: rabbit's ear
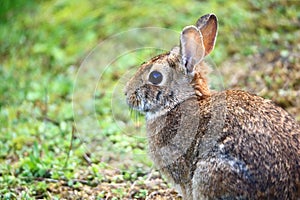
<point x="208" y="25"/>
<point x="191" y="47"/>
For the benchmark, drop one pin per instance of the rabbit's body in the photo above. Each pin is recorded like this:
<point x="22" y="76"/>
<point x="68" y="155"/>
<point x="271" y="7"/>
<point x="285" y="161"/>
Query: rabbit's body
<point x="213" y="145"/>
<point x="235" y="152"/>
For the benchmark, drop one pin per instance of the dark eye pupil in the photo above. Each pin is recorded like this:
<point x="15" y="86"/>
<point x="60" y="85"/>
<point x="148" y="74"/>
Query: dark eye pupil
<point x="155" y="77"/>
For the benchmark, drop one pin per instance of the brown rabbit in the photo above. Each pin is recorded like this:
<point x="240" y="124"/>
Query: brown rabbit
<point x="213" y="145"/>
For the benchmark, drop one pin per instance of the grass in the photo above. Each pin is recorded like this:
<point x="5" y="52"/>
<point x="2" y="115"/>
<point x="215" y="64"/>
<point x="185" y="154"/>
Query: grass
<point x="43" y="45"/>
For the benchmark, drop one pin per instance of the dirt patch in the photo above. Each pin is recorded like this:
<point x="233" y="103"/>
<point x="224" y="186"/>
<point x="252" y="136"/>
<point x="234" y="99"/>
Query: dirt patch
<point x="154" y="187"/>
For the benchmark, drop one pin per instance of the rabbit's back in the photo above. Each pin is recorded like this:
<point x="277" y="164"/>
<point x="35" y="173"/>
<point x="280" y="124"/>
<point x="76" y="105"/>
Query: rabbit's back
<point x="255" y="152"/>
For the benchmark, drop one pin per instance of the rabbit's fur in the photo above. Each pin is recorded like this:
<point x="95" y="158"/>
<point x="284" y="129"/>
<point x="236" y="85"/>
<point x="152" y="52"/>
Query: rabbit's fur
<point x="213" y="145"/>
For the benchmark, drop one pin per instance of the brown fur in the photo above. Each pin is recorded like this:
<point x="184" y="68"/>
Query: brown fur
<point x="200" y="85"/>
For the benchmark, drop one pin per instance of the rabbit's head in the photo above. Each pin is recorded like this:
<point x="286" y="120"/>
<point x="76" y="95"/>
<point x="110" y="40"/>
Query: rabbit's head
<point x="168" y="79"/>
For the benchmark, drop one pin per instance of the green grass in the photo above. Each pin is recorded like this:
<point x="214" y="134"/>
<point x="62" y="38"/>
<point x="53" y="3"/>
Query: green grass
<point x="42" y="45"/>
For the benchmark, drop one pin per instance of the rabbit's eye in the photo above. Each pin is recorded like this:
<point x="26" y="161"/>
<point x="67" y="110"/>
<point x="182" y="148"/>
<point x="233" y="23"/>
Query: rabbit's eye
<point x="155" y="77"/>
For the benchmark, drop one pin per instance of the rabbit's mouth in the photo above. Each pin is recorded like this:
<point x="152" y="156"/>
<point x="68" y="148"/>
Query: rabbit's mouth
<point x="135" y="102"/>
<point x="145" y="102"/>
<point x="151" y="103"/>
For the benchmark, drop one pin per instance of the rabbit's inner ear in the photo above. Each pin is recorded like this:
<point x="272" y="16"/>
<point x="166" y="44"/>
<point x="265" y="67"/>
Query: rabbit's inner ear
<point x="208" y="25"/>
<point x="191" y="47"/>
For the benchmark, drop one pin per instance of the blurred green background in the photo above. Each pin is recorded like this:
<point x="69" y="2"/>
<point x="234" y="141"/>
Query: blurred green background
<point x="42" y="44"/>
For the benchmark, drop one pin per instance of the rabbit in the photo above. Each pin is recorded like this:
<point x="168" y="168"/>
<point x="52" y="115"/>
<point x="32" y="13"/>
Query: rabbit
<point x="213" y="145"/>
